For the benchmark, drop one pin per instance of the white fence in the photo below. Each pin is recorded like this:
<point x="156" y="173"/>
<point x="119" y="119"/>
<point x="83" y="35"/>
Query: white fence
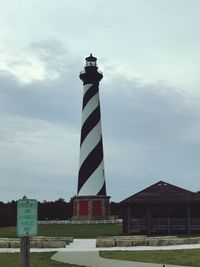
<point x="118" y="221"/>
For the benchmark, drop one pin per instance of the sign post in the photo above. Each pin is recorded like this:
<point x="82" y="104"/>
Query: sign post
<point x="25" y="251"/>
<point x="27" y="225"/>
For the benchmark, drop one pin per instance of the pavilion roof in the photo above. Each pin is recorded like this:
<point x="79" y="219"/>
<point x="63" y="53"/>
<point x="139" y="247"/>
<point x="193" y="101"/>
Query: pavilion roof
<point x="163" y="192"/>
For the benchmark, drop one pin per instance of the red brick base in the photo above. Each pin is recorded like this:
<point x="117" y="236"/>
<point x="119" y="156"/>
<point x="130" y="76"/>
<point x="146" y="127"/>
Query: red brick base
<point x="91" y="208"/>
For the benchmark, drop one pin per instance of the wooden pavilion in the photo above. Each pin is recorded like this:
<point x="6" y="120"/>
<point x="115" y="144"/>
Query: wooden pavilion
<point x="162" y="208"/>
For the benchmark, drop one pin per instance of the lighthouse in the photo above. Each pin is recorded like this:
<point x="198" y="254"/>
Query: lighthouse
<point x="91" y="201"/>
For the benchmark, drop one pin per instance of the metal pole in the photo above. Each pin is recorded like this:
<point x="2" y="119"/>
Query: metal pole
<point x="25" y="251"/>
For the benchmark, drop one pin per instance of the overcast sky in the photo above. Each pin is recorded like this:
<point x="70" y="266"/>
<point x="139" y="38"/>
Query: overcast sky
<point x="150" y="94"/>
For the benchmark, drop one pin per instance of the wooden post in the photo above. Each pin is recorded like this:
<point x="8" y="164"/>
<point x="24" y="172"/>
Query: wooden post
<point x="188" y="219"/>
<point x="148" y="220"/>
<point x="25" y="251"/>
<point x="127" y="219"/>
<point x="168" y="226"/>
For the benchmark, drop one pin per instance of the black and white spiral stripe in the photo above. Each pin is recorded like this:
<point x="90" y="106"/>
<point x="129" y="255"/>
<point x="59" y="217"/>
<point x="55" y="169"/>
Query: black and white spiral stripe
<point x="91" y="180"/>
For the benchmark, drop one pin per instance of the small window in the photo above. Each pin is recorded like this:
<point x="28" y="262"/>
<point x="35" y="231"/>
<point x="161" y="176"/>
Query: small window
<point x="90" y="63"/>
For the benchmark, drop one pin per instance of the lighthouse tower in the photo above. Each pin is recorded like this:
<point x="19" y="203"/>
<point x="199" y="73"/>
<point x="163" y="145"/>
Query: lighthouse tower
<point x="91" y="202"/>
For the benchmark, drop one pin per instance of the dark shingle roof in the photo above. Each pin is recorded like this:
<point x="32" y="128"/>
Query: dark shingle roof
<point x="164" y="193"/>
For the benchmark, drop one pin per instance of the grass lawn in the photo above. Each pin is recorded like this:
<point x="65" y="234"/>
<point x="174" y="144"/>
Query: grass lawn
<point x="36" y="260"/>
<point x="74" y="230"/>
<point x="189" y="257"/>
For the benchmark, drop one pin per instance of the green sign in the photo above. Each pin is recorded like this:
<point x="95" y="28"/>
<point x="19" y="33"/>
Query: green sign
<point x="27" y="217"/>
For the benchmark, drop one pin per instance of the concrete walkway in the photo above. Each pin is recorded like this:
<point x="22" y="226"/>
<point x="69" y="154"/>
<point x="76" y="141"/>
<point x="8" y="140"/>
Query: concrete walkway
<point x="84" y="252"/>
<point x="90" y="245"/>
<point x="92" y="259"/>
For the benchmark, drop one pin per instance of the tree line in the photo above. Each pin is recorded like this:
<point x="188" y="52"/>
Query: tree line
<point x="47" y="210"/>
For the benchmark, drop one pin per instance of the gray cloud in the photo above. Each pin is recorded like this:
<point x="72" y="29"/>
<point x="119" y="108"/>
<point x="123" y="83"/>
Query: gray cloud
<point x="49" y="99"/>
<point x="148" y="114"/>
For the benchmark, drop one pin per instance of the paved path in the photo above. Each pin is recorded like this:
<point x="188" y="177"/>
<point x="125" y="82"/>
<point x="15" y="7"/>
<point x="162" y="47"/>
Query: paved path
<point x="84" y="252"/>
<point x="92" y="259"/>
<point x="90" y="245"/>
